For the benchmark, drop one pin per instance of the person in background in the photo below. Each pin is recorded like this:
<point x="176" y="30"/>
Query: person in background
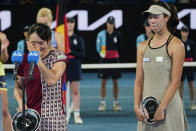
<point x="169" y="1"/>
<point x="25" y="2"/>
<point x="3" y="86"/>
<point x="188" y="71"/>
<point x="22" y="45"/>
<point x="73" y="71"/>
<point x="44" y="16"/>
<point x="143" y="37"/>
<point x="107" y="46"/>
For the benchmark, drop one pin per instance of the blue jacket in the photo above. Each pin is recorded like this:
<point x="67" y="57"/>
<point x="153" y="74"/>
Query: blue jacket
<point x="101" y="41"/>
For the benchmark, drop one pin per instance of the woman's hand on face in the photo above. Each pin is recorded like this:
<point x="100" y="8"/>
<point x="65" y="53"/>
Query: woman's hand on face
<point x="31" y="47"/>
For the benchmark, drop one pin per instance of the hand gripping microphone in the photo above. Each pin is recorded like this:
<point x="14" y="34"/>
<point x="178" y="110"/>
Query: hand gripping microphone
<point x="33" y="58"/>
<point x="17" y="57"/>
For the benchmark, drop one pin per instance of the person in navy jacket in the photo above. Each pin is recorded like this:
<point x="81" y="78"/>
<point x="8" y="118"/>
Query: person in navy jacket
<point x="107" y="46"/>
<point x="73" y="72"/>
<point x="188" y="71"/>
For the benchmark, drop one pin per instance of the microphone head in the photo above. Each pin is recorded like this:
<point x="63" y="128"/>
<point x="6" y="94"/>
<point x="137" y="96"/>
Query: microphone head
<point x="17" y="56"/>
<point x="33" y="56"/>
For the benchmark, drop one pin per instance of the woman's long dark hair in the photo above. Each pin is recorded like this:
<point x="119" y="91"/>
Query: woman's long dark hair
<point x="173" y="20"/>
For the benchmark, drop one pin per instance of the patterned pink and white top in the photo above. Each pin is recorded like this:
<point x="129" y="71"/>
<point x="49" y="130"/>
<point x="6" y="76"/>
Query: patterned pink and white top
<point x="46" y="100"/>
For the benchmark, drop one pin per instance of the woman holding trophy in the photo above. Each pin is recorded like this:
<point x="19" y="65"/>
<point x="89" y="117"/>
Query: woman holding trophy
<point x="160" y="59"/>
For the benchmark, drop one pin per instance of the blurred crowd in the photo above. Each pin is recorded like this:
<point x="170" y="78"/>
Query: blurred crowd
<point x="90" y="1"/>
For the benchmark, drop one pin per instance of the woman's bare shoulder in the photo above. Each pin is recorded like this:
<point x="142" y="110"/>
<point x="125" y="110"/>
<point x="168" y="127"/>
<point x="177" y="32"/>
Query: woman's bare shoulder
<point x="176" y="43"/>
<point x="176" y="46"/>
<point x="142" y="46"/>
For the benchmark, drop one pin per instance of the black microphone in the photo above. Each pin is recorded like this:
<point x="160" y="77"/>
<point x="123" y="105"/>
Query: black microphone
<point x="17" y="57"/>
<point x="16" y="65"/>
<point x="33" y="58"/>
<point x="31" y="68"/>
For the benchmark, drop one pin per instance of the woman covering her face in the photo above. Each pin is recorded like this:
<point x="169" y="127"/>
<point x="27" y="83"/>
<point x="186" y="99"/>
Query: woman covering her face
<point x="44" y="92"/>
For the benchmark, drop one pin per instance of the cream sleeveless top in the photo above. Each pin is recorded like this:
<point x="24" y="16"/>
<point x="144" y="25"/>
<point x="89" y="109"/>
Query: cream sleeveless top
<point x="157" y="66"/>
